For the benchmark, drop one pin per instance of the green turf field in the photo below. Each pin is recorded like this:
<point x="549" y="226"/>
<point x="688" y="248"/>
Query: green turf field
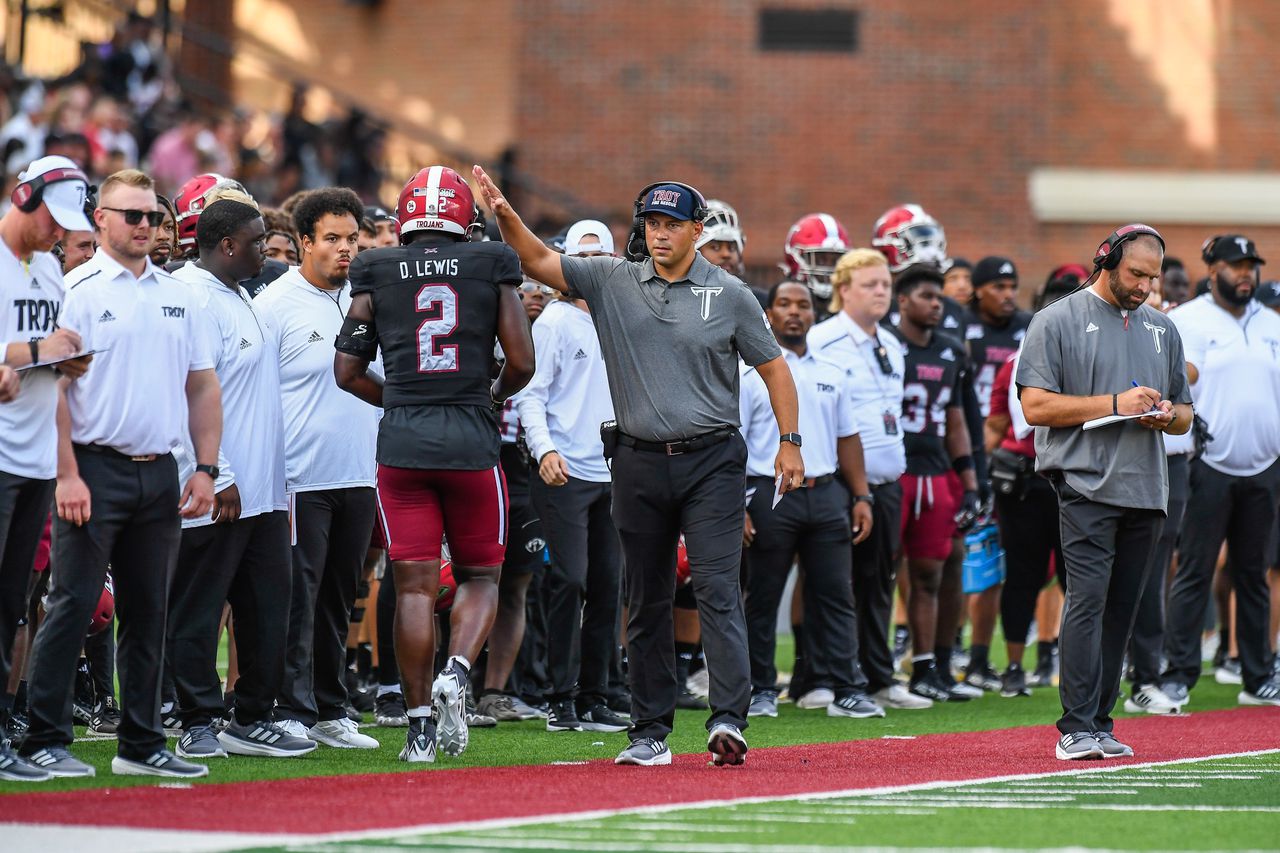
<point x="1219" y="804"/>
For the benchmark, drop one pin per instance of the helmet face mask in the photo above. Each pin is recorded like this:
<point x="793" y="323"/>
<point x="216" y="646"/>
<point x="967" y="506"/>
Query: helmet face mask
<point x="908" y="235"/>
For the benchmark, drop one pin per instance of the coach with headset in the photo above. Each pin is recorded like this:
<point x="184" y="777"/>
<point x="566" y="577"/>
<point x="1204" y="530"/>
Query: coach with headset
<point x="1103" y="353"/>
<point x="672" y="327"/>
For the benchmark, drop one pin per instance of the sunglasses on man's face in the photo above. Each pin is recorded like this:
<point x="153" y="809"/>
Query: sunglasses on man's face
<point x="529" y="287"/>
<point x="134" y="217"/>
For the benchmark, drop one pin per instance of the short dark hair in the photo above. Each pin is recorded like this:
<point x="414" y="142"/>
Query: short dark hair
<point x="1170" y="263"/>
<point x="914" y="276"/>
<point x="773" y="291"/>
<point x="222" y="219"/>
<point x="317" y="204"/>
<point x="1141" y="238"/>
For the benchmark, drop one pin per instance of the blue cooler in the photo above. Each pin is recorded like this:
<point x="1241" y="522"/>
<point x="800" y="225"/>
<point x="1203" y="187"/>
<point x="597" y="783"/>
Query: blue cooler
<point x="983" y="560"/>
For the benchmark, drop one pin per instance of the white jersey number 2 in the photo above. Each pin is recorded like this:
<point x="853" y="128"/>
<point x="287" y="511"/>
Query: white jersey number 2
<point x="433" y="356"/>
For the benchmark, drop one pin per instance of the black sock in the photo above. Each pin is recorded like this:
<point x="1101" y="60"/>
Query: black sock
<point x="942" y="658"/>
<point x="1044" y="651"/>
<point x="960" y="638"/>
<point x="684" y="657"/>
<point x="797" y="632"/>
<point x="978" y="657"/>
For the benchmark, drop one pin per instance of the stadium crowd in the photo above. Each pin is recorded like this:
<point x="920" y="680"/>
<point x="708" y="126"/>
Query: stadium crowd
<point x="170" y="351"/>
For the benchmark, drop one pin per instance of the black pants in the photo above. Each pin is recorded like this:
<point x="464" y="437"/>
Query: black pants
<point x="1241" y="511"/>
<point x="655" y="498"/>
<point x="100" y="651"/>
<point x="816" y="524"/>
<point x="873" y="585"/>
<point x="24" y="505"/>
<point x="245" y="563"/>
<point x="135" y="527"/>
<point x="1107" y="553"/>
<point x="581" y="586"/>
<point x="526" y="547"/>
<point x="1029" y="534"/>
<point x="333" y="527"/>
<point x="1148" y="628"/>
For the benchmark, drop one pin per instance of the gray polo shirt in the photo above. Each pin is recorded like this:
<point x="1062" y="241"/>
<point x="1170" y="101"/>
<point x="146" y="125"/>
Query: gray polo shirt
<point x="1083" y="346"/>
<point x="671" y="349"/>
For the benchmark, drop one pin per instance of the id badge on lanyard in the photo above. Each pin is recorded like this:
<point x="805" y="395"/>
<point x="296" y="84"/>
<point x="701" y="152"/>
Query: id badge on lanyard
<point x="890" y="423"/>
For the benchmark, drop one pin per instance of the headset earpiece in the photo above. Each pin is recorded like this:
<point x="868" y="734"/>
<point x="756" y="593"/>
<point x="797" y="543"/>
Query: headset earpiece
<point x="1206" y="249"/>
<point x="636" y="246"/>
<point x="28" y="194"/>
<point x="1110" y="250"/>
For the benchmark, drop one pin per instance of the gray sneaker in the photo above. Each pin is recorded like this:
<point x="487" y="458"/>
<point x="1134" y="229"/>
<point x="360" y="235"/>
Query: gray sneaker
<point x="645" y="752"/>
<point x="727" y="745"/>
<point x="57" y="761"/>
<point x="1074" y="746"/>
<point x="263" y="738"/>
<point x="499" y="706"/>
<point x="200" y="742"/>
<point x="857" y="705"/>
<point x="763" y="704"/>
<point x="1112" y="748"/>
<point x="162" y="762"/>
<point x="15" y="769"/>
<point x="1267" y="694"/>
<point x="1179" y="694"/>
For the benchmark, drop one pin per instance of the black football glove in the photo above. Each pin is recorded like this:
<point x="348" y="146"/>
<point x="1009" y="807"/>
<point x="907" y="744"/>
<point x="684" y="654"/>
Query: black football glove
<point x="970" y="509"/>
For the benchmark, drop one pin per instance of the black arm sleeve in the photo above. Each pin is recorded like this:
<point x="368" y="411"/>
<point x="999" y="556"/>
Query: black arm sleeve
<point x="358" y="338"/>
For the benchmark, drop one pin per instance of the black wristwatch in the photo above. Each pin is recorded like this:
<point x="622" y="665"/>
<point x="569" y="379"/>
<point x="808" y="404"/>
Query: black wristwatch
<point x="866" y="499"/>
<point x="793" y="437"/>
<point x="211" y="470"/>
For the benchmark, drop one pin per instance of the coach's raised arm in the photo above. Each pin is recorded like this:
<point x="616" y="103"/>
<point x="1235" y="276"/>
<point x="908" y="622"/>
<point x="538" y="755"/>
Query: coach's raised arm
<point x="672" y="327"/>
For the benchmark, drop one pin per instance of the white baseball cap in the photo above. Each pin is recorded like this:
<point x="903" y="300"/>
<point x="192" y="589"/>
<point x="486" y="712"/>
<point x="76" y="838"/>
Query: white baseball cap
<point x="574" y="245"/>
<point x="64" y="198"/>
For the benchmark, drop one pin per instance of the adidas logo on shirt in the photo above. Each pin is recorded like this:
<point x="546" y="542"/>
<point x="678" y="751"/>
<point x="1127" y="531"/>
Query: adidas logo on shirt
<point x="578" y="355"/>
<point x="244" y="343"/>
<point x="1090" y="328"/>
<point x="106" y="317"/>
<point x="315" y="338"/>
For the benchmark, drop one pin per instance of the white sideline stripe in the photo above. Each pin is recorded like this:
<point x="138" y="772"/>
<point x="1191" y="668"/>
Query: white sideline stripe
<point x="49" y="838"/>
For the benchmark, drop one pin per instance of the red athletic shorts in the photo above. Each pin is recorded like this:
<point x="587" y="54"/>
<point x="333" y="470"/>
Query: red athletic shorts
<point x="469" y="508"/>
<point x="928" y="516"/>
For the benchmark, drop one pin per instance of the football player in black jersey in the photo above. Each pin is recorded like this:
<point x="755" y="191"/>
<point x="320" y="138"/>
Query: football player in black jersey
<point x="993" y="333"/>
<point x="435" y="306"/>
<point x="937" y="444"/>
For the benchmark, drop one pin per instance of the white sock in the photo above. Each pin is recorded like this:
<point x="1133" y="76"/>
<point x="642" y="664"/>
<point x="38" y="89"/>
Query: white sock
<point x="922" y="658"/>
<point x="389" y="688"/>
<point x="420" y="711"/>
<point x="461" y="661"/>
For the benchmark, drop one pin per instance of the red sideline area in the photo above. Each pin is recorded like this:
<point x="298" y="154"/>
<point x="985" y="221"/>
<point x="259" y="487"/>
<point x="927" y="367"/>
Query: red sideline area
<point x="386" y="801"/>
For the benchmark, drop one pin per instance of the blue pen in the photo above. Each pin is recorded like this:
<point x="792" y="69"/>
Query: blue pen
<point x="1135" y="382"/>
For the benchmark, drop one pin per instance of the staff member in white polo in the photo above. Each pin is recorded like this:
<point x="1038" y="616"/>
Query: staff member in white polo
<point x="561" y="409"/>
<point x="330" y="441"/>
<point x="118" y="495"/>
<point x="239" y="554"/>
<point x="1232" y="346"/>
<point x="817" y="523"/>
<point x="49" y="202"/>
<point x="861" y="290"/>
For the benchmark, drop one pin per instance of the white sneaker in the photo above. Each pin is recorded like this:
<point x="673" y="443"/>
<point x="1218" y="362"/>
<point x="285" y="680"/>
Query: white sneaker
<point x="897" y="696"/>
<point x="816" y="699"/>
<point x="699" y="684"/>
<point x="1150" y="699"/>
<point x="295" y="728"/>
<point x="341" y="733"/>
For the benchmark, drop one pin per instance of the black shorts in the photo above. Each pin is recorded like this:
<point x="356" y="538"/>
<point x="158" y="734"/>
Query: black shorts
<point x="525" y="543"/>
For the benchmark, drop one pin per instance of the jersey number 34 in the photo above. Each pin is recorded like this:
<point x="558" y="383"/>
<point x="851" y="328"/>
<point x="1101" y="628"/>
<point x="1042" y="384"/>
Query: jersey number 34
<point x="441" y="301"/>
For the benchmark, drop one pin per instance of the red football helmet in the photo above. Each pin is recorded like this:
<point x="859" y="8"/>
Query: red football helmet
<point x="448" y="586"/>
<point x="106" y="609"/>
<point x="813" y="246"/>
<point x="437" y="199"/>
<point x="907" y="235"/>
<point x="190" y="200"/>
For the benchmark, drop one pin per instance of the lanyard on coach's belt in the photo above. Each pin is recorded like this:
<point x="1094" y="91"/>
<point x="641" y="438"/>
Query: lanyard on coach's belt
<point x="889" y="416"/>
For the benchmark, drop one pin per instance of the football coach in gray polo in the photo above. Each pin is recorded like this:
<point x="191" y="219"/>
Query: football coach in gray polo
<point x="672" y="328"/>
<point x="1102" y="352"/>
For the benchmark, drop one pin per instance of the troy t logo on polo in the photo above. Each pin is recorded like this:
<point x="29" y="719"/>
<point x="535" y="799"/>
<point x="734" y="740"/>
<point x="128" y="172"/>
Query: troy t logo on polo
<point x="173" y="311"/>
<point x="666" y="198"/>
<point x="1157" y="332"/>
<point x="706" y="293"/>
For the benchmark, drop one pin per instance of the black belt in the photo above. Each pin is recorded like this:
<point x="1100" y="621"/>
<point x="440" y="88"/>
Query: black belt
<point x="675" y="448"/>
<point x="111" y="451"/>
<point x="809" y="482"/>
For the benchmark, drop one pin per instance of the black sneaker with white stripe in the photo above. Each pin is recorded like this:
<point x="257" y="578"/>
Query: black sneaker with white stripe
<point x="162" y="762"/>
<point x="264" y="738"/>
